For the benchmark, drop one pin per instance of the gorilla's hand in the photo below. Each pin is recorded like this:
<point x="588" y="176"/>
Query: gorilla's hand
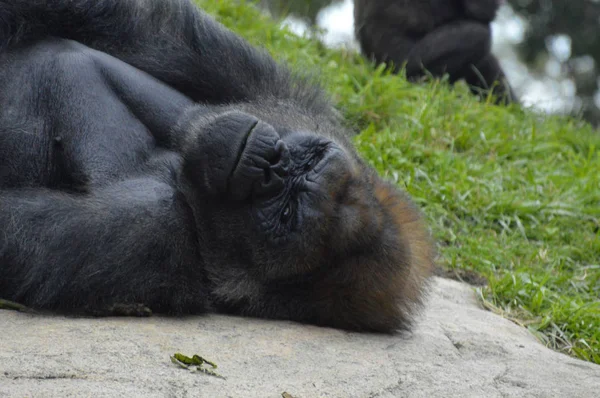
<point x="234" y="154"/>
<point x="481" y="10"/>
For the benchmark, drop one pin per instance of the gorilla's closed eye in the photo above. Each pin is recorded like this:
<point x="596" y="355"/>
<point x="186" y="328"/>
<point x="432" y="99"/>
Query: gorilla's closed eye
<point x="310" y="164"/>
<point x="287" y="212"/>
<point x="316" y="157"/>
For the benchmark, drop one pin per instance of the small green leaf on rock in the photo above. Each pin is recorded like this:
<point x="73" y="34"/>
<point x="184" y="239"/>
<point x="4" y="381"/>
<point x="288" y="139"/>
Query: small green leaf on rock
<point x="195" y="364"/>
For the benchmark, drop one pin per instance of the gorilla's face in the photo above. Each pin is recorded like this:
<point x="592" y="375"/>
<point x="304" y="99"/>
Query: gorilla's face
<point x="271" y="191"/>
<point x="293" y="212"/>
<point x="292" y="224"/>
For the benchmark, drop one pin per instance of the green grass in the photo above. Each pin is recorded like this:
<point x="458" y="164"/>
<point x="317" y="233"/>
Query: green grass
<point x="510" y="195"/>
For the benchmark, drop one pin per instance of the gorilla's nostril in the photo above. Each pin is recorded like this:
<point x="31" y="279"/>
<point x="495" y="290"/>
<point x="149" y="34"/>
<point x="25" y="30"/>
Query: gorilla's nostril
<point x="275" y="159"/>
<point x="280" y="147"/>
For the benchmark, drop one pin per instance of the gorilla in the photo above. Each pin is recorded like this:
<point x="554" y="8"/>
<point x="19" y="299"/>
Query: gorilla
<point x="151" y="161"/>
<point x="434" y="37"/>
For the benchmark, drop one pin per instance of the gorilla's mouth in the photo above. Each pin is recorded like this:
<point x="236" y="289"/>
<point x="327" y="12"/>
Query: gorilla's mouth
<point x="258" y="164"/>
<point x="242" y="148"/>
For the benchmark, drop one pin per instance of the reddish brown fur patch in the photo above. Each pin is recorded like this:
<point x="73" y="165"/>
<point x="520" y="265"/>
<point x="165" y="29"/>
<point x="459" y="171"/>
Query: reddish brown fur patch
<point x="412" y="234"/>
<point x="379" y="287"/>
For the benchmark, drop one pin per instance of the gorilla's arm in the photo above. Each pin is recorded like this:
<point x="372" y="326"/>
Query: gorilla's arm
<point x="169" y="39"/>
<point x="114" y="246"/>
<point x="157" y="106"/>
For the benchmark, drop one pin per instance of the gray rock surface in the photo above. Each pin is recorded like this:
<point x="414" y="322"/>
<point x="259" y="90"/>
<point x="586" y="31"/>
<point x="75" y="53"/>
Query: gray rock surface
<point x="457" y="350"/>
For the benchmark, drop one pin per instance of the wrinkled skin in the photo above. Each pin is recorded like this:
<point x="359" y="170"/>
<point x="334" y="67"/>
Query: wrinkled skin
<point x="434" y="37"/>
<point x="152" y="161"/>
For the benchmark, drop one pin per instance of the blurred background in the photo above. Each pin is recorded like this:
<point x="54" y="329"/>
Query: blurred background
<point x="549" y="49"/>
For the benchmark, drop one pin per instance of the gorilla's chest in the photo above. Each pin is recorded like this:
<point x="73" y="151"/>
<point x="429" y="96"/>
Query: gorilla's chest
<point x="53" y="157"/>
<point x="63" y="125"/>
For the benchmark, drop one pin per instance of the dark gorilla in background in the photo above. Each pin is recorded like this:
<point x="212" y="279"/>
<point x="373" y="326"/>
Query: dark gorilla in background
<point x="152" y="160"/>
<point x="436" y="37"/>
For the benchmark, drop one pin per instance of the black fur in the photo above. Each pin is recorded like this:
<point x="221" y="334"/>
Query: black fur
<point x="435" y="37"/>
<point x="151" y="158"/>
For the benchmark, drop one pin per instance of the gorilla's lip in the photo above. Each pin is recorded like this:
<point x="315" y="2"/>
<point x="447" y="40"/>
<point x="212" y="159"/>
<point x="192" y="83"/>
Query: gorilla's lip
<point x="241" y="149"/>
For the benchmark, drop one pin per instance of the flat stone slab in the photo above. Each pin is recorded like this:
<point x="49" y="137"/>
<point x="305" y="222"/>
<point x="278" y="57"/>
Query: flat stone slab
<point x="457" y="350"/>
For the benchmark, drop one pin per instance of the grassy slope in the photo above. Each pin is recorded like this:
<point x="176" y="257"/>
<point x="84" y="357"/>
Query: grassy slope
<point x="509" y="195"/>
